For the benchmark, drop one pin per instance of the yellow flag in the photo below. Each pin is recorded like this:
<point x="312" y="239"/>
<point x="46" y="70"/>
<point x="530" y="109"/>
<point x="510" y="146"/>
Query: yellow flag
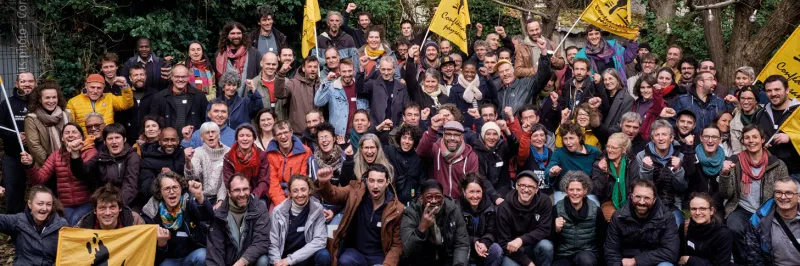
<point x="792" y="128"/>
<point x="450" y="22"/>
<point x="133" y="245"/>
<point x="786" y="63"/>
<point x="613" y="16"/>
<point x="310" y="18"/>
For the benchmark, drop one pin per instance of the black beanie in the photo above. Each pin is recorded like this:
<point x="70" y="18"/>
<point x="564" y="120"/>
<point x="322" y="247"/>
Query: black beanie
<point x="430" y="183"/>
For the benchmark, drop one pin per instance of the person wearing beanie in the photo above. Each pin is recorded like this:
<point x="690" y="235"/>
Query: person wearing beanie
<point x="451" y="157"/>
<point x="430" y="59"/>
<point x="93" y="100"/>
<point x="298" y="233"/>
<point x="433" y="230"/>
<point x="524" y="223"/>
<point x="240" y="231"/>
<point x="495" y="148"/>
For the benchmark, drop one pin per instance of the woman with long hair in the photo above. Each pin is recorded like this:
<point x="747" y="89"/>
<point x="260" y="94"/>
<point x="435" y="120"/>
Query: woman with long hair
<point x="264" y="120"/>
<point x="201" y="72"/>
<point x="621" y="101"/>
<point x="47" y="115"/>
<point x="480" y="215"/>
<point x="151" y="129"/>
<point x="370" y="151"/>
<point x="649" y="102"/>
<point x="668" y="88"/>
<point x="35" y="231"/>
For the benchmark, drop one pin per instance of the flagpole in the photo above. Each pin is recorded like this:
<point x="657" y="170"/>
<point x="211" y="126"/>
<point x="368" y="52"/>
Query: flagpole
<point x="426" y="36"/>
<point x="11" y="113"/>
<point x="316" y="47"/>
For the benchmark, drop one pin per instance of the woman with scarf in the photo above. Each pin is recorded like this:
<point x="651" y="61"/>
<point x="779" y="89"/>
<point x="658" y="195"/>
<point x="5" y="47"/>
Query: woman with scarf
<point x="471" y="91"/>
<point x="56" y="173"/>
<point x="723" y="123"/>
<point x="431" y="93"/>
<point x="35" y="230"/>
<point x="201" y="75"/>
<point x="613" y="174"/>
<point x="480" y="216"/>
<point x="151" y="130"/>
<point x="578" y="225"/>
<point x="648" y="103"/>
<point x="265" y="119"/>
<point x="374" y="49"/>
<point x="710" y="157"/>
<point x="746" y="181"/>
<point x="604" y="54"/>
<point x="667" y="88"/>
<point x="708" y="241"/>
<point x="45" y="119"/>
<point x="330" y="155"/>
<point x="205" y="163"/>
<point x="178" y="214"/>
<point x="743" y="116"/>
<point x="588" y="118"/>
<point x="408" y="170"/>
<point x="244" y="158"/>
<point x="532" y="154"/>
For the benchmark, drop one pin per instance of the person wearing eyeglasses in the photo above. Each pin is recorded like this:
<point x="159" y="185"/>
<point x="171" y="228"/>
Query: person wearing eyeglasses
<point x="701" y="100"/>
<point x="746" y="182"/>
<point x="773" y="237"/>
<point x="524" y="222"/>
<point x="688" y="67"/>
<point x="182" y="105"/>
<point x="433" y="230"/>
<point x="748" y="98"/>
<point x="710" y="158"/>
<point x="708" y="240"/>
<point x="643" y="232"/>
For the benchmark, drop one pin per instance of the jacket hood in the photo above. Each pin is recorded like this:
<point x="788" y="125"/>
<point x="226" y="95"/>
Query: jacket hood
<point x="297" y="146"/>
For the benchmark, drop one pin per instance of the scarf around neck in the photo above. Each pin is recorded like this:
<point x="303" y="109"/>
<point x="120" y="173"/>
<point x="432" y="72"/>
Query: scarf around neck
<point x="472" y="92"/>
<point x="245" y="162"/>
<point x="374" y="54"/>
<point x="711" y="165"/>
<point x="435" y="94"/>
<point x="541" y="159"/>
<point x="53" y="123"/>
<point x="601" y="51"/>
<point x="332" y="159"/>
<point x="747" y="164"/>
<point x="237" y="211"/>
<point x="355" y="138"/>
<point x="619" y="193"/>
<point x="662" y="160"/>
<point x="202" y="77"/>
<point x="578" y="214"/>
<point x="172" y="219"/>
<point x="449" y="156"/>
<point x="240" y="57"/>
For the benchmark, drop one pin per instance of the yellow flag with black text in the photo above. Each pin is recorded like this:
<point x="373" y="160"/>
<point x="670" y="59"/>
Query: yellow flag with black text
<point x="450" y="22"/>
<point x="613" y="16"/>
<point x="133" y="245"/>
<point x="310" y="17"/>
<point x="792" y="128"/>
<point x="786" y="63"/>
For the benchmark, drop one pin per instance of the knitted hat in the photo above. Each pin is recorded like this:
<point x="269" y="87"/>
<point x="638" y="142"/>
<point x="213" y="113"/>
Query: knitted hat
<point x="429" y="184"/>
<point x="499" y="63"/>
<point x="645" y="46"/>
<point x="95" y="78"/>
<point x="454" y="125"/>
<point x="489" y="126"/>
<point x="425" y="47"/>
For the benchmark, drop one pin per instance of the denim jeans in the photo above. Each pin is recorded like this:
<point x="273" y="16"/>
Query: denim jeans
<point x="739" y="222"/>
<point x="679" y="217"/>
<point x="321" y="258"/>
<point x="541" y="254"/>
<point x="74" y="214"/>
<point x="262" y="261"/>
<point x="196" y="258"/>
<point x="351" y="257"/>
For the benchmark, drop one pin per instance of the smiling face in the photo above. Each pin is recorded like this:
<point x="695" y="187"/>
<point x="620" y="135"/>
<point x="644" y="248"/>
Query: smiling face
<point x="299" y="192"/>
<point x="576" y="192"/>
<point x="284" y="137"/>
<point x="526" y="189"/>
<point x="786" y="195"/>
<point x="431" y="53"/>
<point x="41" y="205"/>
<point x="711" y="140"/>
<point x="70" y="133"/>
<point x="433" y="197"/>
<point x="538" y="139"/>
<point x="753" y="141"/>
<point x="747" y="100"/>
<point x="239" y="191"/>
<point x="406" y="142"/>
<point x="490" y="138"/>
<point x="687" y="71"/>
<point x="662" y="138"/>
<point x="269" y="64"/>
<point x="448" y="70"/>
<point x="235" y="37"/>
<point x="534" y="30"/>
<point x="643" y="199"/>
<point x="673" y="56"/>
<point x="229" y="90"/>
<point x="493" y="41"/>
<point x="742" y="80"/>
<point x="218" y="114"/>
<point x="196" y="52"/>
<point x="107" y="214"/>
<point x="94" y="90"/>
<point x="287" y="56"/>
<point x="369" y="150"/>
<point x="360" y="123"/>
<point x="474" y="194"/>
<point x="266" y="121"/>
<point x="582" y="118"/>
<point x="646" y="90"/>
<point x="611" y="82"/>
<point x="312" y="120"/>
<point x="685" y="124"/>
<point x="571" y="53"/>
<point x="580" y="70"/>
<point x="325" y="141"/>
<point x="49" y="99"/>
<point x="169" y="140"/>
<point x="347" y="73"/>
<point x="180" y="78"/>
<point x="138" y="77"/>
<point x="151" y="129"/>
<point x="109" y="69"/>
<point x="374" y="40"/>
<point x="245" y="138"/>
<point x="266" y="23"/>
<point x="411" y="116"/>
<point x="506" y="72"/>
<point x="594" y="37"/>
<point x="430" y="84"/>
<point x="453" y="139"/>
<point x="724" y="122"/>
<point x="614" y="150"/>
<point x="776" y="92"/>
<point x="25" y="82"/>
<point x="332" y="58"/>
<point x="94" y="126"/>
<point x="377" y="183"/>
<point x="664" y="79"/>
<point x="143" y="48"/>
<point x="115" y="143"/>
<point x="480" y="52"/>
<point x="701" y="210"/>
<point x="171" y="192"/>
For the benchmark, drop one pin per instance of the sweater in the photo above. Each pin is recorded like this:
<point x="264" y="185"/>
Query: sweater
<point x="570" y="161"/>
<point x="207" y="167"/>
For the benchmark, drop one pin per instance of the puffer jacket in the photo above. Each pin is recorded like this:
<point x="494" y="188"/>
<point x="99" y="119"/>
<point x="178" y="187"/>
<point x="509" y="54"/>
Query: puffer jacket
<point x="316" y="232"/>
<point x="259" y="184"/>
<point x="670" y="184"/>
<point x="650" y="241"/>
<point x="153" y="160"/>
<point x="106" y="105"/>
<point x="486" y="228"/>
<point x="578" y="234"/>
<point x="127" y="217"/>
<point x="495" y="162"/>
<point x="448" y="174"/>
<point x="122" y="171"/>
<point x="32" y="248"/>
<point x="39" y="145"/>
<point x="221" y="247"/>
<point x="299" y="92"/>
<point x="704" y="111"/>
<point x="332" y="94"/>
<point x="71" y="190"/>
<point x="418" y="248"/>
<point x="730" y="185"/>
<point x="283" y="167"/>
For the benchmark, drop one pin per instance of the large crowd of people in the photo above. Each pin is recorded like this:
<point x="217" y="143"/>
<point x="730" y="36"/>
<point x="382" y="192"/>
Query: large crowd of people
<point x="409" y="152"/>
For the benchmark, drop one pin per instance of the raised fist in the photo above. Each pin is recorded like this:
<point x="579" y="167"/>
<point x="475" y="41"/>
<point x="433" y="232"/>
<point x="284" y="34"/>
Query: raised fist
<point x="350" y="7"/>
<point x="324" y="175"/>
<point x="603" y="164"/>
<point x="647" y="162"/>
<point x="727" y="166"/>
<point x="667" y="113"/>
<point x="474" y="113"/>
<point x="555" y="171"/>
<point x="500" y="31"/>
<point x="425" y="113"/>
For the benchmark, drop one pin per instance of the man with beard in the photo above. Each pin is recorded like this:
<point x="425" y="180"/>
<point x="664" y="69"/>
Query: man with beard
<point x="580" y="89"/>
<point x="524" y="223"/>
<point x="487" y="71"/>
<point x="182" y="106"/>
<point x="138" y="78"/>
<point x="108" y="211"/>
<point x="341" y="97"/>
<point x="128" y="117"/>
<point x="288" y="156"/>
<point x="411" y="117"/>
<point x="720" y="89"/>
<point x="386" y="93"/>
<point x="527" y="56"/>
<point x="93" y="100"/>
<point x="772" y="239"/>
<point x="433" y="230"/>
<point x="674" y="53"/>
<point x="309" y="136"/>
<point x="522" y="124"/>
<point x="407" y="32"/>
<point x="13" y="171"/>
<point x="287" y="58"/>
<point x="629" y="124"/>
<point x="642" y="232"/>
<point x="431" y="60"/>
<point x="364" y="22"/>
<point x="688" y="66"/>
<point x="447" y="67"/>
<point x="331" y="65"/>
<point x="516" y="92"/>
<point x="298" y="91"/>
<point x="239" y="233"/>
<point x="267" y="39"/>
<point x="488" y="112"/>
<point x="151" y="63"/>
<point x="648" y="62"/>
<point x="684" y="129"/>
<point x="400" y="48"/>
<point x="702" y="101"/>
<point x="335" y="36"/>
<point x="217" y="113"/>
<point x="372" y="217"/>
<point x="773" y="115"/>
<point x="451" y="156"/>
<point x="445" y="47"/>
<point x="236" y="53"/>
<point x="156" y="158"/>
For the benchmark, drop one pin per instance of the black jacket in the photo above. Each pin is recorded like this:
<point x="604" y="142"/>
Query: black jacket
<point x="122" y="171"/>
<point x="650" y="241"/>
<point x="570" y="95"/>
<point x="196" y="217"/>
<point x="222" y="248"/>
<point x="164" y="105"/>
<point x="145" y="103"/>
<point x="418" y="247"/>
<point x="152" y="71"/>
<point x="530" y="223"/>
<point x="457" y="97"/>
<point x="128" y="118"/>
<point x="19" y="105"/>
<point x="708" y="245"/>
<point x="494" y="164"/>
<point x="359" y="37"/>
<point x="417" y="92"/>
<point x="486" y="228"/>
<point x="341" y="41"/>
<point x="408" y="172"/>
<point x="786" y="151"/>
<point x="153" y="160"/>
<point x="372" y="87"/>
<point x="280" y="40"/>
<point x="604" y="182"/>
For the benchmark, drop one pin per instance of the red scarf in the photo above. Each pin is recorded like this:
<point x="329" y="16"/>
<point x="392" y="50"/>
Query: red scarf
<point x="245" y="163"/>
<point x="747" y="169"/>
<point x="667" y="90"/>
<point x="239" y="58"/>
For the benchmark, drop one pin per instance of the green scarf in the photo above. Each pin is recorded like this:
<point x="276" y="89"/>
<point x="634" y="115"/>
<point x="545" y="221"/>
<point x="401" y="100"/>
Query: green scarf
<point x="619" y="194"/>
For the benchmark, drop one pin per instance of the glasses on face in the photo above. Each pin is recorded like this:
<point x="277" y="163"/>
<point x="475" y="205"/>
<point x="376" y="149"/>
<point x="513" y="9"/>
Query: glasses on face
<point x="639" y="198"/>
<point x="526" y="187"/>
<point x="180" y="77"/>
<point x="785" y="194"/>
<point x="93" y="126"/>
<point x="700" y="209"/>
<point x="706" y="137"/>
<point x="171" y="189"/>
<point x="452" y="135"/>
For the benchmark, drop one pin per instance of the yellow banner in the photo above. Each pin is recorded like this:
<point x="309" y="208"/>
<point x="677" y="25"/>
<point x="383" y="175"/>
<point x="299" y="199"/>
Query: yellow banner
<point x="613" y="16"/>
<point x="450" y="22"/>
<point x="786" y="63"/>
<point x="310" y="17"/>
<point x="133" y="245"/>
<point x="792" y="128"/>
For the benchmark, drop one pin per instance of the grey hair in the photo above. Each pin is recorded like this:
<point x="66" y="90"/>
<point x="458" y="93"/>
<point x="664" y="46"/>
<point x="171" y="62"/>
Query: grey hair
<point x="630" y="117"/>
<point x="95" y="114"/>
<point x="747" y="71"/>
<point x="490" y="34"/>
<point x="658" y="124"/>
<point x="576" y="176"/>
<point x="389" y="59"/>
<point x="454" y="55"/>
<point x="787" y="179"/>
<point x="334" y="13"/>
<point x="433" y="73"/>
<point x="613" y="72"/>
<point x="208" y="126"/>
<point x="230" y="78"/>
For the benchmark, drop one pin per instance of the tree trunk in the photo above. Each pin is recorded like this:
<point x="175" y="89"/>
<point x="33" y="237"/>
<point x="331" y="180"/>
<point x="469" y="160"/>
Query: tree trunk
<point x="664" y="10"/>
<point x="553" y="10"/>
<point x="713" y="35"/>
<point x="740" y="37"/>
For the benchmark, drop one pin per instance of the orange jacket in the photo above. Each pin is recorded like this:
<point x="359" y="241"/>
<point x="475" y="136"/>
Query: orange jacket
<point x="281" y="167"/>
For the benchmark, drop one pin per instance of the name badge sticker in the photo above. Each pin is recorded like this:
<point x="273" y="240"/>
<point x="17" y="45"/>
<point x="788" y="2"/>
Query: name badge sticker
<point x="184" y="101"/>
<point x="379" y="224"/>
<point x="301" y="229"/>
<point x="181" y="234"/>
<point x="498" y="164"/>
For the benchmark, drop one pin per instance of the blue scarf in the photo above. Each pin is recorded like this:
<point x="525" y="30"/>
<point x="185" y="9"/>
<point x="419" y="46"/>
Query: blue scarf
<point x="541" y="159"/>
<point x="711" y="165"/>
<point x="663" y="160"/>
<point x="354" y="139"/>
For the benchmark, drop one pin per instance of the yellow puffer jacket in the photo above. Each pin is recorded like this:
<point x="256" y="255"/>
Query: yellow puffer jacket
<point x="81" y="106"/>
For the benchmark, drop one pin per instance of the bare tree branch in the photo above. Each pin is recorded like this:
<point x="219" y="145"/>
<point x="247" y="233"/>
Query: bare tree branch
<point x="543" y="15"/>
<point x="722" y="4"/>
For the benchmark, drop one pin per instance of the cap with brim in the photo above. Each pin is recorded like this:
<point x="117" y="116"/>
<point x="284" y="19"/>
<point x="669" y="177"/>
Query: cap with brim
<point x="530" y="174"/>
<point x="446" y="60"/>
<point x="453" y="125"/>
<point x="686" y="112"/>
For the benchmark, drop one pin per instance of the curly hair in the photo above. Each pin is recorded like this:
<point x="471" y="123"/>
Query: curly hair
<point x="155" y="188"/>
<point x="413" y="131"/>
<point x="223" y="36"/>
<point x="576" y="176"/>
<point x="35" y="98"/>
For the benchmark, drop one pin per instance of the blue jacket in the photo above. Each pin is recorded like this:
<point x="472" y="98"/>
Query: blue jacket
<point x="705" y="112"/>
<point x="758" y="237"/>
<point x="622" y="56"/>
<point x="242" y="109"/>
<point x="333" y="95"/>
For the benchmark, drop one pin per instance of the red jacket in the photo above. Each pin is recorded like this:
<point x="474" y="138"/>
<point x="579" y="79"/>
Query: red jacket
<point x="260" y="183"/>
<point x="283" y="167"/>
<point x="69" y="189"/>
<point x="448" y="174"/>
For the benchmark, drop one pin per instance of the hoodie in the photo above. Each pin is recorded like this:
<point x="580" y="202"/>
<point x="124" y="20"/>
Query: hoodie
<point x="448" y="174"/>
<point x="531" y="223"/>
<point x="786" y="151"/>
